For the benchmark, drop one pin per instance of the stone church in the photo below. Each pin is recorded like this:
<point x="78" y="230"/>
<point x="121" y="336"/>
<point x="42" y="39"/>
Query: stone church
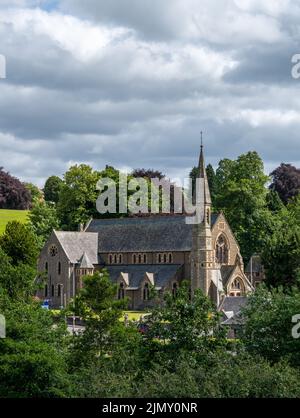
<point x="145" y="252"/>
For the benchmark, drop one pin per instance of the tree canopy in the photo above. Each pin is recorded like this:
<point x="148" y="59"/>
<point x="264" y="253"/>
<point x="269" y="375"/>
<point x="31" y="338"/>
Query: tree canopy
<point x="286" y="182"/>
<point x="13" y="193"/>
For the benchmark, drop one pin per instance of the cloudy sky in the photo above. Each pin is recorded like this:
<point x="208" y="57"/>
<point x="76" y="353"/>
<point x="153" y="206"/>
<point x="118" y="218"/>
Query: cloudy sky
<point x="132" y="83"/>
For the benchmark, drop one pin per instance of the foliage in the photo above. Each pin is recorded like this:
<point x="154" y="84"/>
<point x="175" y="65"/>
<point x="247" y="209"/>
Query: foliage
<point x="147" y="173"/>
<point x="77" y="199"/>
<point x="268" y="329"/>
<point x="286" y="182"/>
<point x="16" y="280"/>
<point x="13" y="193"/>
<point x="281" y="254"/>
<point x="241" y="195"/>
<point x="32" y="356"/>
<point x="43" y="219"/>
<point x="36" y="194"/>
<point x="185" y="324"/>
<point x="101" y="312"/>
<point x="20" y="243"/>
<point x="53" y="188"/>
<point x="220" y="375"/>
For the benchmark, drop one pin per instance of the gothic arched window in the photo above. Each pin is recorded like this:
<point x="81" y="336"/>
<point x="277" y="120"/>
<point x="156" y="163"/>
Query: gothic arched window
<point x="59" y="268"/>
<point x="236" y="288"/>
<point x="222" y="250"/>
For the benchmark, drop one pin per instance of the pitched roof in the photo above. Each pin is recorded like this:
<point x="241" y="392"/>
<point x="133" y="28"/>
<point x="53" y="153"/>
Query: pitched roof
<point x="257" y="266"/>
<point x="156" y="233"/>
<point x="84" y="262"/>
<point x="226" y="272"/>
<point x="75" y="244"/>
<point x="233" y="304"/>
<point x="136" y="273"/>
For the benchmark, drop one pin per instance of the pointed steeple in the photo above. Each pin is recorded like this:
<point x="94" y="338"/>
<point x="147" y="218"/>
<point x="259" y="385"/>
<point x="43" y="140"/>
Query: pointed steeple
<point x="203" y="175"/>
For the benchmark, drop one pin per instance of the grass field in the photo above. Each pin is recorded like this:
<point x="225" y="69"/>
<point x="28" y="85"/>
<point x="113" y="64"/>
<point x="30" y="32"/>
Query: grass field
<point x="11" y="215"/>
<point x="134" y="315"/>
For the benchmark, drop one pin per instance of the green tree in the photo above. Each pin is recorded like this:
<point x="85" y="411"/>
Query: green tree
<point x="43" y="219"/>
<point x="97" y="305"/>
<point x="186" y="324"/>
<point x="53" y="188"/>
<point x="281" y="255"/>
<point x="33" y="354"/>
<point x="77" y="199"/>
<point x="268" y="327"/>
<point x="20" y="243"/>
<point x="241" y="194"/>
<point x="36" y="194"/>
<point x="17" y="281"/>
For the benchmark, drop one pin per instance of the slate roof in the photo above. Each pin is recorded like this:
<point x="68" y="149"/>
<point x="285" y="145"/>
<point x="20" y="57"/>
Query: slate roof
<point x="136" y="273"/>
<point x="85" y="262"/>
<point x="155" y="233"/>
<point x="75" y="244"/>
<point x="233" y="304"/>
<point x="226" y="272"/>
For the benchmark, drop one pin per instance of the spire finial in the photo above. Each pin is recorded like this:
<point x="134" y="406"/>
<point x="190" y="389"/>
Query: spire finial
<point x="201" y="134"/>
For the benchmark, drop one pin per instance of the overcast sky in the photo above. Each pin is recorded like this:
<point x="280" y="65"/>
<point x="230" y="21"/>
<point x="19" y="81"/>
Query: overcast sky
<point x="131" y="83"/>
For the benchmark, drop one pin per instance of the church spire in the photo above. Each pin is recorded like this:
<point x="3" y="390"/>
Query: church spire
<point x="203" y="175"/>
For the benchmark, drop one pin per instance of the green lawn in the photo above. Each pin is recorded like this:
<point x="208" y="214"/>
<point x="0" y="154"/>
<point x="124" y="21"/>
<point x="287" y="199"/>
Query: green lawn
<point x="11" y="215"/>
<point x="134" y="315"/>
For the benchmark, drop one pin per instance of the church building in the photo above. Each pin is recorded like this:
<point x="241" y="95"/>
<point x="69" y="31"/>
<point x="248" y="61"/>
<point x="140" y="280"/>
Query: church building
<point x="145" y="252"/>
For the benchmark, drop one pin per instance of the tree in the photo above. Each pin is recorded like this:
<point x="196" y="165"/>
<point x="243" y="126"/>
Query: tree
<point x="13" y="193"/>
<point x="20" y="244"/>
<point x="147" y="173"/>
<point x="186" y="325"/>
<point x="268" y="327"/>
<point x="101" y="312"/>
<point x="53" y="188"/>
<point x="274" y="203"/>
<point x="36" y="194"/>
<point x="43" y="219"/>
<point x="16" y="281"/>
<point x="286" y="182"/>
<point x="212" y="182"/>
<point x="33" y="354"/>
<point x="241" y="195"/>
<point x="281" y="254"/>
<point x="77" y="199"/>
